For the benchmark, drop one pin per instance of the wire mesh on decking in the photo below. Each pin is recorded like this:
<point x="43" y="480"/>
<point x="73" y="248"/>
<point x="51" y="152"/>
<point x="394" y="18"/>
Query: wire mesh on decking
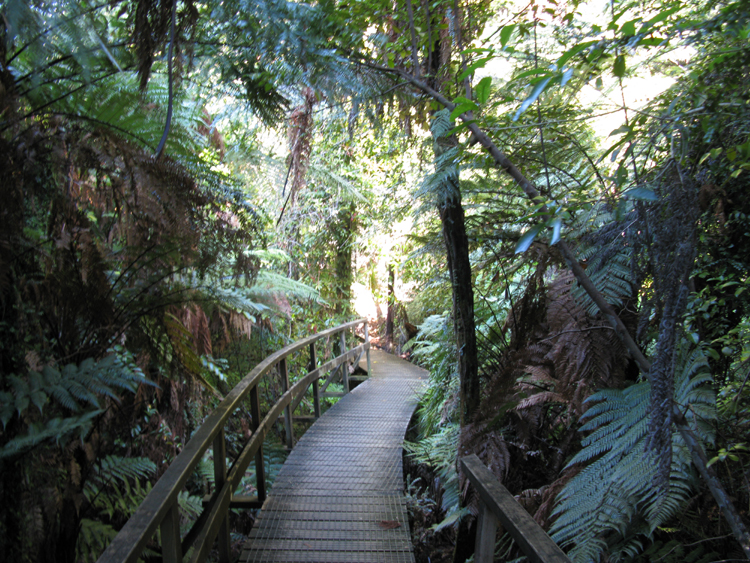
<point x="339" y="496"/>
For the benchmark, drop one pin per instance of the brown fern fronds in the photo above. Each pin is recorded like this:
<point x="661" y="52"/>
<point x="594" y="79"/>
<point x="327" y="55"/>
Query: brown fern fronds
<point x="300" y="146"/>
<point x="540" y="398"/>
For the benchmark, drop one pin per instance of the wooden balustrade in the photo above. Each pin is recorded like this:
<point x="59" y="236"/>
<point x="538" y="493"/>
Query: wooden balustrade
<point x="498" y="505"/>
<point x="159" y="510"/>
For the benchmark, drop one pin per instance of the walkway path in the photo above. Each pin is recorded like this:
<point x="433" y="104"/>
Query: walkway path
<point x="339" y="496"/>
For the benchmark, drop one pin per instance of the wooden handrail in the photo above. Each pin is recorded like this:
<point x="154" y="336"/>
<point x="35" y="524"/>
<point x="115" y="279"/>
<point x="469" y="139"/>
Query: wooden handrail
<point x="497" y="504"/>
<point x="160" y="510"/>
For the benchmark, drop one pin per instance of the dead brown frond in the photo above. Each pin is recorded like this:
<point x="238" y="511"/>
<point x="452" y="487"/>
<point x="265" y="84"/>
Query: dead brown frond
<point x="300" y="147"/>
<point x="558" y="356"/>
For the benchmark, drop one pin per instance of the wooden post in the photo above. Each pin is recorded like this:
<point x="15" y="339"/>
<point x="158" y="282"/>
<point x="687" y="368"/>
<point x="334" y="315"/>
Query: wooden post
<point x="484" y="545"/>
<point x="220" y="477"/>
<point x="260" y="474"/>
<point x="367" y="341"/>
<point x="288" y="422"/>
<point x="315" y="386"/>
<point x="495" y="498"/>
<point x="344" y="367"/>
<point x="171" y="544"/>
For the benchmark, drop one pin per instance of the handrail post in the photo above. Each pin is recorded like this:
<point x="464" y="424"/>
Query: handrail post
<point x="367" y="342"/>
<point x="288" y="422"/>
<point x="171" y="546"/>
<point x="220" y="477"/>
<point x="484" y="545"/>
<point x="344" y="367"/>
<point x="497" y="502"/>
<point x="315" y="386"/>
<point x="260" y="474"/>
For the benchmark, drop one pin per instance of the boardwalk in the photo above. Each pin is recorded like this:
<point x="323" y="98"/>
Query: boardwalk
<point x="339" y="497"/>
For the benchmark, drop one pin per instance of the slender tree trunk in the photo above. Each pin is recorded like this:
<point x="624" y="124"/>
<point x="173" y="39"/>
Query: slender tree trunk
<point x="343" y="232"/>
<point x="457" y="249"/>
<point x="391" y="304"/>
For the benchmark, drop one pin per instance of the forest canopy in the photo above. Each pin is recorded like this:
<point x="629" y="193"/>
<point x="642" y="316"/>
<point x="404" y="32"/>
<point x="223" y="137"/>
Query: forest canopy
<point x="551" y="196"/>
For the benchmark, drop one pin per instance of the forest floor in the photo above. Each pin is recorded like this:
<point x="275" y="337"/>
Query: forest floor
<point x="423" y="502"/>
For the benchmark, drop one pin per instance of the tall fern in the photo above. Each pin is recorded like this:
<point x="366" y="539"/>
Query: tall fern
<point x="114" y="491"/>
<point x="611" y="507"/>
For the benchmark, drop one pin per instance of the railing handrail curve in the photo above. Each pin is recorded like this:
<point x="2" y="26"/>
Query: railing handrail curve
<point x="130" y="542"/>
<point x="497" y="504"/>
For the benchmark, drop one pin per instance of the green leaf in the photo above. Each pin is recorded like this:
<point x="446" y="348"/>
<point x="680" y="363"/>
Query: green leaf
<point x="620" y="130"/>
<point x="528" y="237"/>
<point x="570" y="53"/>
<point x="505" y="34"/>
<point x="532" y="72"/>
<point x="556" y="229"/>
<point x="628" y="28"/>
<point x="618" y="68"/>
<point x="6" y="407"/>
<point x="463" y="108"/>
<point x="660" y="17"/>
<point x="535" y="93"/>
<point x="479" y="63"/>
<point x="482" y="89"/>
<point x="39" y="398"/>
<point x="642" y="193"/>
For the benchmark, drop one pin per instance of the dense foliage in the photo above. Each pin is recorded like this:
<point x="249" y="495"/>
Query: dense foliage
<point x="187" y="186"/>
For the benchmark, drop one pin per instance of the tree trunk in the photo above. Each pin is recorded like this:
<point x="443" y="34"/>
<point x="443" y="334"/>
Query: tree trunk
<point x="343" y="234"/>
<point x="391" y="304"/>
<point x="457" y="249"/>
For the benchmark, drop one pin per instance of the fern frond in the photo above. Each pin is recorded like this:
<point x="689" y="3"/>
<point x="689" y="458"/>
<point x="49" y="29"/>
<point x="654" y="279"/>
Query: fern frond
<point x="93" y="539"/>
<point x="269" y="282"/>
<point x="613" y="494"/>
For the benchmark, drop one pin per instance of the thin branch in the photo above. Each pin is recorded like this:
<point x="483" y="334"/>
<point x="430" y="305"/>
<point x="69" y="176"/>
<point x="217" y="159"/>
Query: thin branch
<point x="414" y="52"/>
<point x="168" y="123"/>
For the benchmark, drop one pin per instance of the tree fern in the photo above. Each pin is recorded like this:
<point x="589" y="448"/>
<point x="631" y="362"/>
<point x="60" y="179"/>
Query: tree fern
<point x="439" y="451"/>
<point x="611" y="505"/>
<point x="93" y="538"/>
<point x="77" y="388"/>
<point x="607" y="249"/>
<point x="435" y="348"/>
<point x="115" y="490"/>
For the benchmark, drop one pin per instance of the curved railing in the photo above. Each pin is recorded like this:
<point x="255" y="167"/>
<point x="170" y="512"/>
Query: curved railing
<point x="159" y="509"/>
<point x="498" y="507"/>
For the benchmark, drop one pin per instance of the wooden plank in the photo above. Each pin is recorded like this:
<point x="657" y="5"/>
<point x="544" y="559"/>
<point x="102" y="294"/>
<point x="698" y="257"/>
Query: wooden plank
<point x="534" y="541"/>
<point x="245" y="502"/>
<point x="220" y="478"/>
<point x="170" y="537"/>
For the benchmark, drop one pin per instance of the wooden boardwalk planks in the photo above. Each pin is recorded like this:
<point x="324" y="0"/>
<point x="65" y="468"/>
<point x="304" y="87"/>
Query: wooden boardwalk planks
<point x="338" y="497"/>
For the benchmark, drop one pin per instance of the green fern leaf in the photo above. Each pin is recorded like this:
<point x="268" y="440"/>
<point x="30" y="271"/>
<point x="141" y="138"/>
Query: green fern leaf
<point x="613" y="496"/>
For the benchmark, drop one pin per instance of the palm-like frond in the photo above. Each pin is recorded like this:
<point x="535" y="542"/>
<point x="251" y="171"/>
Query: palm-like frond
<point x="77" y="388"/>
<point x="611" y="504"/>
<point x="607" y="249"/>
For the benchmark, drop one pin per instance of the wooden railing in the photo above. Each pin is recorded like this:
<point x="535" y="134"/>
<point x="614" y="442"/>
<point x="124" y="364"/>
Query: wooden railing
<point x="159" y="509"/>
<point x="497" y="504"/>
